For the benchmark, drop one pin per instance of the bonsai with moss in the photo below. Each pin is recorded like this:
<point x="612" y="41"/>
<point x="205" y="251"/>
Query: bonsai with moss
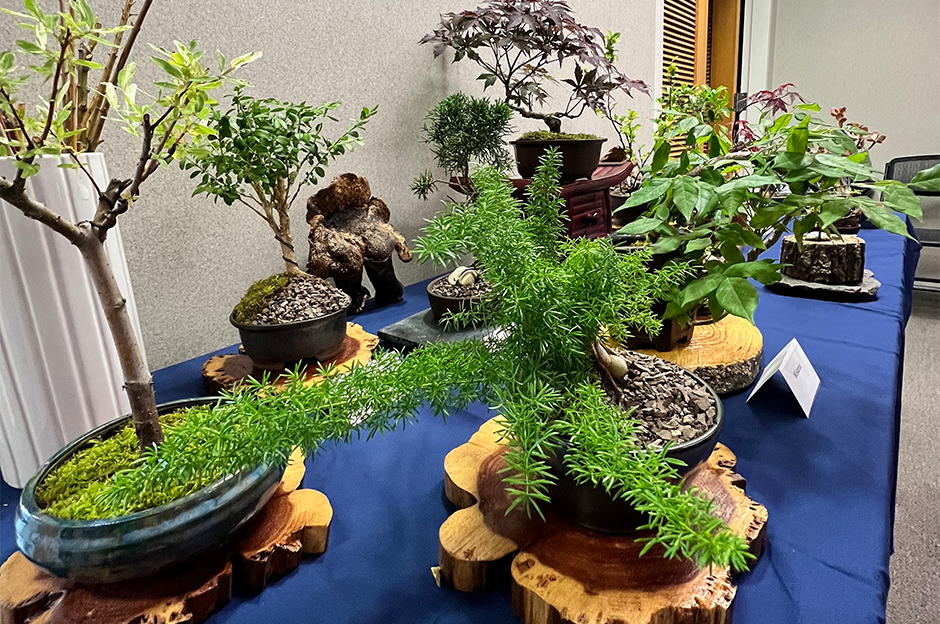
<point x="548" y="372"/>
<point x="462" y="131"/>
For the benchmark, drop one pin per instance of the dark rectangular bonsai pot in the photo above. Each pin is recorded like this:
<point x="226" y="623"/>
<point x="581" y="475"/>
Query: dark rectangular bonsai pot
<point x="579" y="156"/>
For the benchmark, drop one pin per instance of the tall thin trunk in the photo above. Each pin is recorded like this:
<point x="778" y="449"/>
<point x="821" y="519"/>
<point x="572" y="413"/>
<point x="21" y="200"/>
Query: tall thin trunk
<point x="282" y="229"/>
<point x="138" y="382"/>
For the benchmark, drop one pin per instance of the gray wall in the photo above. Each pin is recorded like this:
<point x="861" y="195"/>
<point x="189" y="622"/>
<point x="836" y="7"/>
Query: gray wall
<point x="879" y="59"/>
<point x="190" y="259"/>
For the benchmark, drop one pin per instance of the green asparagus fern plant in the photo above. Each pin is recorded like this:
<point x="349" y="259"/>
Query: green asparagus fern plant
<point x="555" y="301"/>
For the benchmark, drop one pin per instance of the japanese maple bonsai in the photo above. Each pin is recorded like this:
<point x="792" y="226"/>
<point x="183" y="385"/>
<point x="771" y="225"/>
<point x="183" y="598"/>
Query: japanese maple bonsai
<point x="516" y="44"/>
<point x="66" y="118"/>
<point x="262" y="153"/>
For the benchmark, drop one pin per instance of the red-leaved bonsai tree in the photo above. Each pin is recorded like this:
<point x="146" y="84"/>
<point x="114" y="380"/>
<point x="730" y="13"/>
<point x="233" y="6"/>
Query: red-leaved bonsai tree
<point x="67" y="118"/>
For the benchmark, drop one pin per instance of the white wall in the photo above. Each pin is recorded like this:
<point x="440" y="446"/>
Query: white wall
<point x="190" y="259"/>
<point x="879" y="59"/>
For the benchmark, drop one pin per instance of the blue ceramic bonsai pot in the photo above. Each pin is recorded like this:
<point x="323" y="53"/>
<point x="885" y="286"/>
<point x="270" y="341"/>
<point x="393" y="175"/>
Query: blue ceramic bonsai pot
<point x="145" y="542"/>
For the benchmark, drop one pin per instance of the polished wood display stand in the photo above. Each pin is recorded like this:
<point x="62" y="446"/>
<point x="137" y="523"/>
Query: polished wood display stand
<point x="294" y="522"/>
<point x="223" y="372"/>
<point x="726" y="354"/>
<point x="560" y="572"/>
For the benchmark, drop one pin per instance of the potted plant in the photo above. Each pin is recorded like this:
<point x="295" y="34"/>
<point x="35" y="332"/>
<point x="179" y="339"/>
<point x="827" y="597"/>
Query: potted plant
<point x="462" y="131"/>
<point x="516" y="44"/>
<point x="261" y="153"/>
<point x="720" y="202"/>
<point x="68" y="121"/>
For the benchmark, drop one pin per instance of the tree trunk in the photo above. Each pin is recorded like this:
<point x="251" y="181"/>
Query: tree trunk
<point x="137" y="380"/>
<point x="282" y="233"/>
<point x="824" y="260"/>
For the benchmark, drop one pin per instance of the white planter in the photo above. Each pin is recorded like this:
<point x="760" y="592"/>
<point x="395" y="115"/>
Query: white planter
<point x="59" y="372"/>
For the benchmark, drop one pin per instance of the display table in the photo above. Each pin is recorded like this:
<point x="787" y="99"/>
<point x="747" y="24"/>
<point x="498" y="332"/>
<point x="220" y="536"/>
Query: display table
<point x="828" y="482"/>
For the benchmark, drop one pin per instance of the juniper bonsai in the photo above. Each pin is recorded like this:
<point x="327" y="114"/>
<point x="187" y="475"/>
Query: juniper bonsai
<point x="557" y="302"/>
<point x="67" y="118"/>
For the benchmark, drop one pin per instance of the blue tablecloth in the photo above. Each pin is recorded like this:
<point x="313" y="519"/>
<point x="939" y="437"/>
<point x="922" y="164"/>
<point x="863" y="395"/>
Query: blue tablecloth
<point x="828" y="481"/>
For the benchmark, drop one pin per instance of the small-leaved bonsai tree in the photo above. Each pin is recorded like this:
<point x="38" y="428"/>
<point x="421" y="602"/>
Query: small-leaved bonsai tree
<point x="67" y="118"/>
<point x="262" y="152"/>
<point x="517" y="43"/>
<point x="462" y="131"/>
<point x="547" y="373"/>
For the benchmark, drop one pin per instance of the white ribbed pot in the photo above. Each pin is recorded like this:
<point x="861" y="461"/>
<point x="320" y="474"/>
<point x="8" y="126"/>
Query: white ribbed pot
<point x="59" y="371"/>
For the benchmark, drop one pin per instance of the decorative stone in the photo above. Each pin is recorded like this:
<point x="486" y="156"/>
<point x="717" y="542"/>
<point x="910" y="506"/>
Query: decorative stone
<point x="823" y="259"/>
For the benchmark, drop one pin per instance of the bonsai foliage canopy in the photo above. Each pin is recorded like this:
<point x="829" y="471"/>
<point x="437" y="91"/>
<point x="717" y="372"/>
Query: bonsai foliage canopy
<point x="50" y="105"/>
<point x="517" y="42"/>
<point x="726" y="199"/>
<point x="262" y="152"/>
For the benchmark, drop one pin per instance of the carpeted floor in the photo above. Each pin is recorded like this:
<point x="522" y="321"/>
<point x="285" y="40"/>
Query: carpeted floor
<point x="915" y="566"/>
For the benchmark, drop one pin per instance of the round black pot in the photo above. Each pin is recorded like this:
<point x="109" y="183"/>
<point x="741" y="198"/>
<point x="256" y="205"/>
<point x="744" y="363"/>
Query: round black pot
<point x="145" y="542"/>
<point x="275" y="345"/>
<point x="579" y="157"/>
<point x="440" y="305"/>
<point x="593" y="507"/>
<point x="850" y="223"/>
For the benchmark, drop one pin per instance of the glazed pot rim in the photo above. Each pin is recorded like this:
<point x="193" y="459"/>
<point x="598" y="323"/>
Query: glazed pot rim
<point x="475" y="299"/>
<point x="719" y="419"/>
<point x="28" y="499"/>
<point x="290" y="325"/>
<point x="551" y="141"/>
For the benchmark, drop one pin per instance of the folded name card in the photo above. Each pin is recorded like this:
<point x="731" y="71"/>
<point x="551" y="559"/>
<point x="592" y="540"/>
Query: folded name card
<point x="799" y="374"/>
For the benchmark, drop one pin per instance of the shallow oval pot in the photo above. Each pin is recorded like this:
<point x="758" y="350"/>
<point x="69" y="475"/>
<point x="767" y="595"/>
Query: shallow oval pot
<point x="593" y="507"/>
<point x="441" y="305"/>
<point x="579" y="157"/>
<point x="145" y="542"/>
<point x="275" y="345"/>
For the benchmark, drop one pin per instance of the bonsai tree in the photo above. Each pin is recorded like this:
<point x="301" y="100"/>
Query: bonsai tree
<point x="721" y="203"/>
<point x="548" y="373"/>
<point x="68" y="118"/>
<point x="464" y="130"/>
<point x="262" y="152"/>
<point x="517" y="43"/>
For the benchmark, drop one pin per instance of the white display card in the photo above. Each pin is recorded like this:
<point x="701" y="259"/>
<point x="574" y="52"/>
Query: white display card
<point x="799" y="374"/>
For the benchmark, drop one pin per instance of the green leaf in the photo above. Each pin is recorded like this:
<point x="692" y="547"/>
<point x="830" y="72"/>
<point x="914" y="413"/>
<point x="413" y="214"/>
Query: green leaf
<point x="29" y="47"/>
<point x="834" y="210"/>
<point x="697" y="244"/>
<point x="754" y="181"/>
<point x="763" y="271"/>
<point x="685" y="195"/>
<point x="28" y="169"/>
<point x="798" y="137"/>
<point x="167" y="67"/>
<point x="738" y="296"/>
<point x="792" y="160"/>
<point x="928" y="179"/>
<point x="884" y="218"/>
<point x="652" y="190"/>
<point x="666" y="245"/>
<point x="731" y="253"/>
<point x="848" y="167"/>
<point x="902" y="199"/>
<point x="643" y="225"/>
<point x="731" y="198"/>
<point x="700" y="288"/>
<point x="660" y="156"/>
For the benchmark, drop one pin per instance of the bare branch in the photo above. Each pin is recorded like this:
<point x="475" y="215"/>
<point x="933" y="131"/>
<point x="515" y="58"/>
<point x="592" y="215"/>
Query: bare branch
<point x="63" y="46"/>
<point x="88" y="120"/>
<point x="15" y="194"/>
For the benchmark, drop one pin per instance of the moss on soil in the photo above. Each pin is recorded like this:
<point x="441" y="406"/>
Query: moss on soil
<point x="257" y="297"/>
<point x="545" y="135"/>
<point x="71" y="491"/>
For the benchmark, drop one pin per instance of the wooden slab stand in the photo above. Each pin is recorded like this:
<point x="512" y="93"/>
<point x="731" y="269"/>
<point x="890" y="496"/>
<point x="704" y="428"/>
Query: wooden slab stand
<point x="726" y="354"/>
<point x="223" y="372"/>
<point x="560" y="572"/>
<point x="294" y="521"/>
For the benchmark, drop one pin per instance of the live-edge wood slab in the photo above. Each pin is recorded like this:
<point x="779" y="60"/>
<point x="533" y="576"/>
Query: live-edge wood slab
<point x="726" y="354"/>
<point x="560" y="572"/>
<point x="223" y="372"/>
<point x="293" y="522"/>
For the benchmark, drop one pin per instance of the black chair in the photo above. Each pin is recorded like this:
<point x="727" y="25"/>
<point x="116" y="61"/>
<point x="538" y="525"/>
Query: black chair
<point x="928" y="232"/>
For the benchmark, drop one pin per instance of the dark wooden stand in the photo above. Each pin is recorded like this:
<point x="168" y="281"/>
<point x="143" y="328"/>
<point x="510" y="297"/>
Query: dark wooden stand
<point x="588" y="210"/>
<point x="223" y="372"/>
<point x="726" y="354"/>
<point x="560" y="572"/>
<point x="294" y="522"/>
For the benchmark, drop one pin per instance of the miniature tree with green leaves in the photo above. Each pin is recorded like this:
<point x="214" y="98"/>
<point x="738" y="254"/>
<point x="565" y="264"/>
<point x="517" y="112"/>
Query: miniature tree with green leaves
<point x="464" y="131"/>
<point x="721" y="195"/>
<point x="262" y="152"/>
<point x="68" y="118"/>
<point x="547" y="373"/>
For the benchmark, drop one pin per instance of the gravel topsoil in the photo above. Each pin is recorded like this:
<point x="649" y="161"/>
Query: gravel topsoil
<point x="671" y="405"/>
<point x="460" y="291"/>
<point x="302" y="299"/>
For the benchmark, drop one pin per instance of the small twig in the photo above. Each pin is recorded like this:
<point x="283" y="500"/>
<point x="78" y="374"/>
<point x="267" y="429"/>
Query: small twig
<point x="18" y="119"/>
<point x="55" y="87"/>
<point x="87" y="173"/>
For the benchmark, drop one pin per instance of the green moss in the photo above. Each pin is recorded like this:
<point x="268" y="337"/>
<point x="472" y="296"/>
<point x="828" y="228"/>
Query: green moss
<point x="74" y="489"/>
<point x="545" y="135"/>
<point x="257" y="296"/>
